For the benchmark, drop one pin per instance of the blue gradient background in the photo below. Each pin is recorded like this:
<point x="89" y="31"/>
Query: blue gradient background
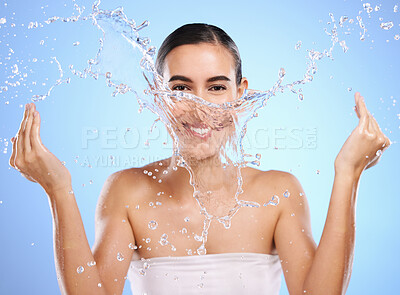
<point x="266" y="34"/>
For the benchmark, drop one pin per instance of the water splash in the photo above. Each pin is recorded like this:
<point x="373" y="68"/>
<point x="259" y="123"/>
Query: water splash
<point x="228" y="121"/>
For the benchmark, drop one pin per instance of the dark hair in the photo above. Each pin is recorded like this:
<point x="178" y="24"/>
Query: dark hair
<point x="194" y="34"/>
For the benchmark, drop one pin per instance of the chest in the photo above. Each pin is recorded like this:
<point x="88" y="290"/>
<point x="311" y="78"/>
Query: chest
<point x="163" y="227"/>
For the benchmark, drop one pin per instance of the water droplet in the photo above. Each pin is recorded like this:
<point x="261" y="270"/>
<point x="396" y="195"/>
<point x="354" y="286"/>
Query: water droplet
<point x="153" y="224"/>
<point x="274" y="201"/>
<point x="80" y="269"/>
<point x="99" y="285"/>
<point x="15" y="69"/>
<point x="163" y="240"/>
<point x="91" y="263"/>
<point x="3" y="20"/>
<point x="201" y="250"/>
<point x="386" y="25"/>
<point x="301" y="96"/>
<point x="298" y="45"/>
<point x="148" y="240"/>
<point x="142" y="272"/>
<point x="317" y="171"/>
<point x="120" y="257"/>
<point x="187" y="219"/>
<point x="132" y="246"/>
<point x="397" y="37"/>
<point x="292" y="214"/>
<point x="379" y="153"/>
<point x="342" y="20"/>
<point x="286" y="194"/>
<point x="395" y="8"/>
<point x="71" y="192"/>
<point x="108" y="75"/>
<point x="76" y="44"/>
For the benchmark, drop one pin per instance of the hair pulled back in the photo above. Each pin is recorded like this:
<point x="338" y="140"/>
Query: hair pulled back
<point x="194" y="34"/>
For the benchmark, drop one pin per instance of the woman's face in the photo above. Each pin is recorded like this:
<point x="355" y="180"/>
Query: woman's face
<point x="207" y="71"/>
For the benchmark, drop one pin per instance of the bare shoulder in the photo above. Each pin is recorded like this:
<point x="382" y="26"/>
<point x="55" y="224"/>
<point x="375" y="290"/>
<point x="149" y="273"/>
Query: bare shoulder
<point x="277" y="186"/>
<point x="123" y="187"/>
<point x="275" y="180"/>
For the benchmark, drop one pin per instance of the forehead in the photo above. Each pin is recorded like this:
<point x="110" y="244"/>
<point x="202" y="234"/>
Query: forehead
<point x="199" y="59"/>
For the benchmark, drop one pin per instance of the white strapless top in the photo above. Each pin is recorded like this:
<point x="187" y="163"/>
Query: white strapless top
<point x="225" y="273"/>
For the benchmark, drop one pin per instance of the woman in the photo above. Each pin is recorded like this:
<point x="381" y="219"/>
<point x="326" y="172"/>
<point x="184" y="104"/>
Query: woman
<point x="202" y="60"/>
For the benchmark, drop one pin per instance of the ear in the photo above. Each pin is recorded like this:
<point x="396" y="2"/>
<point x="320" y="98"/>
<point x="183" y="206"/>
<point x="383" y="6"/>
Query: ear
<point x="244" y="84"/>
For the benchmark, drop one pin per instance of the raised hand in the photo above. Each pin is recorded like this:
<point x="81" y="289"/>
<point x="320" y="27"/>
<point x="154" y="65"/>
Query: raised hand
<point x="31" y="158"/>
<point x="365" y="145"/>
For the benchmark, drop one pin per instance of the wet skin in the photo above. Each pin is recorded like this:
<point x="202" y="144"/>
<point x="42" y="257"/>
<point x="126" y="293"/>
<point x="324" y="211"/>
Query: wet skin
<point x="283" y="229"/>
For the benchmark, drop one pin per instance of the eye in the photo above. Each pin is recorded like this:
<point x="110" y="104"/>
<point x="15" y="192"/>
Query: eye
<point x="218" y="88"/>
<point x="180" y="88"/>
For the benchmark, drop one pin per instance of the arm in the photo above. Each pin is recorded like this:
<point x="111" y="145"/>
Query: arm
<point x="326" y="269"/>
<point x="112" y="250"/>
<point x="332" y="265"/>
<point x="71" y="248"/>
<point x="72" y="251"/>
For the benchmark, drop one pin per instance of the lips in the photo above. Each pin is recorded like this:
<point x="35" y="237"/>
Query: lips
<point x="200" y="130"/>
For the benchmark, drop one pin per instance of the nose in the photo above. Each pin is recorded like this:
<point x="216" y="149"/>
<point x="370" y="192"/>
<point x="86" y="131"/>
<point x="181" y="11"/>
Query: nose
<point x="200" y="93"/>
<point x="206" y="96"/>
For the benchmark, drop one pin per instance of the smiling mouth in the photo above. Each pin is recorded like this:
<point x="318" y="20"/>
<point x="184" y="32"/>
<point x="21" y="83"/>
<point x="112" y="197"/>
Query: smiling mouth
<point x="199" y="130"/>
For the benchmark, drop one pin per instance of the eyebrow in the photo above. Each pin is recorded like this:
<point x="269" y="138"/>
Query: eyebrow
<point x="186" y="79"/>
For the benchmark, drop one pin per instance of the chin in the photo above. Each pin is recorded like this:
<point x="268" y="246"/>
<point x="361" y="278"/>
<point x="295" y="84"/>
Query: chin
<point x="199" y="152"/>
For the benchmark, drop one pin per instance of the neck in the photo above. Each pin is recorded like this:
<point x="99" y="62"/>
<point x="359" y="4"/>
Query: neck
<point x="208" y="174"/>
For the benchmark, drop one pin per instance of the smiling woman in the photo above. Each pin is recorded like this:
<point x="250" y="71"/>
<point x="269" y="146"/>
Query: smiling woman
<point x="245" y="258"/>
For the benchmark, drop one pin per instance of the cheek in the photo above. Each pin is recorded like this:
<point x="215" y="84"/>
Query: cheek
<point x="235" y="93"/>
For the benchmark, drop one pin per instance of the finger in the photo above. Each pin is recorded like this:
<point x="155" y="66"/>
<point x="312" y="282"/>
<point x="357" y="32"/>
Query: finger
<point x="27" y="131"/>
<point x="357" y="112"/>
<point x="376" y="126"/>
<point x="360" y="105"/>
<point x="364" y="118"/>
<point x="12" y="158"/>
<point x="23" y="123"/>
<point x="371" y="127"/>
<point x="382" y="139"/>
<point x="356" y="98"/>
<point x="35" y="132"/>
<point x="387" y="143"/>
<point x="19" y="137"/>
